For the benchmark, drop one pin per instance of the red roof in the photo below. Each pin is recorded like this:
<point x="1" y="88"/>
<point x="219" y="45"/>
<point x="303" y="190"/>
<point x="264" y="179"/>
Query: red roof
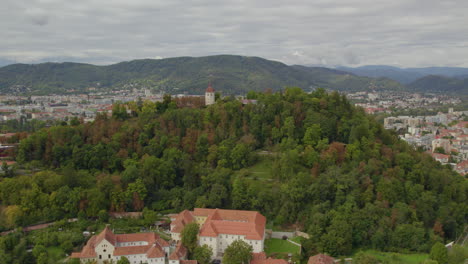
<point x="209" y="89"/>
<point x="440" y="156"/>
<point x="260" y="258"/>
<point x="155" y="252"/>
<point x="154" y="249"/>
<point x="106" y="234"/>
<point x="131" y="250"/>
<point x="234" y="222"/>
<point x="321" y="259"/>
<point x="463" y="164"/>
<point x="148" y="237"/>
<point x="179" y="253"/>
<point x="182" y="219"/>
<point x="188" y="262"/>
<point x="75" y="255"/>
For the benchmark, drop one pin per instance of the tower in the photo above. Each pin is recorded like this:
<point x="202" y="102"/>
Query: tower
<point x="209" y="95"/>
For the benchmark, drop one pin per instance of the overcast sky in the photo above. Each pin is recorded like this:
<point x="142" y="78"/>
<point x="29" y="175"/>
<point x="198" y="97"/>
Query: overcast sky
<point x="407" y="33"/>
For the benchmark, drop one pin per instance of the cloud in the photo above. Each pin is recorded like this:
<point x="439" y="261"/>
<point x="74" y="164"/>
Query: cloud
<point x="37" y="16"/>
<point x="330" y="32"/>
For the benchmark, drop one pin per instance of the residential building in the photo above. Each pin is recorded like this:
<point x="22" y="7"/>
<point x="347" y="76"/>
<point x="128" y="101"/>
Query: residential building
<point x="219" y="228"/>
<point x="137" y="248"/>
<point x="441" y="143"/>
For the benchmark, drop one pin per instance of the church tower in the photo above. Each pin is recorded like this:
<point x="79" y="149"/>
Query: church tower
<point x="209" y="95"/>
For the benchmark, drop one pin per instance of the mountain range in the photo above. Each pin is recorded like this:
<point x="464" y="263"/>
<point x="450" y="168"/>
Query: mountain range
<point x="230" y="74"/>
<point x="405" y="75"/>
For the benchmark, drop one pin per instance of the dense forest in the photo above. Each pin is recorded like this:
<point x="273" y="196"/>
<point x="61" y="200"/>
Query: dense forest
<point x="335" y="172"/>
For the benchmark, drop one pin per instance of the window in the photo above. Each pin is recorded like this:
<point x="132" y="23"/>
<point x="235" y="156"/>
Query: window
<point x="100" y="256"/>
<point x="104" y="250"/>
<point x="109" y="256"/>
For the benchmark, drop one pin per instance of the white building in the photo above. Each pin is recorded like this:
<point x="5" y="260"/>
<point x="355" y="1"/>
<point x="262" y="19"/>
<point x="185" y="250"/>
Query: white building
<point x="219" y="228"/>
<point x="209" y="95"/>
<point x="137" y="248"/>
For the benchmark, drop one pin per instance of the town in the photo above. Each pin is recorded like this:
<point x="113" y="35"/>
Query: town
<point x="444" y="136"/>
<point x="217" y="230"/>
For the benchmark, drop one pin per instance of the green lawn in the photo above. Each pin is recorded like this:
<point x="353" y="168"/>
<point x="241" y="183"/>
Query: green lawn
<point x="276" y="245"/>
<point x="398" y="257"/>
<point x="261" y="169"/>
<point x="297" y="239"/>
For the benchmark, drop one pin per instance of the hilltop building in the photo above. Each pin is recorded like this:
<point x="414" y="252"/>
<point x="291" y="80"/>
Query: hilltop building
<point x="138" y="248"/>
<point x="209" y="95"/>
<point x="219" y="228"/>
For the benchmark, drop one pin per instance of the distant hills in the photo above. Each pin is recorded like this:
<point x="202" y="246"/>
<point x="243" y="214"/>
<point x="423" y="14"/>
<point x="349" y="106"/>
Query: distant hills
<point x="405" y="75"/>
<point x="230" y="74"/>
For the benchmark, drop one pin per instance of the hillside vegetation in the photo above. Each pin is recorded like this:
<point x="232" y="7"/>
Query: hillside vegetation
<point x="229" y="74"/>
<point x="309" y="160"/>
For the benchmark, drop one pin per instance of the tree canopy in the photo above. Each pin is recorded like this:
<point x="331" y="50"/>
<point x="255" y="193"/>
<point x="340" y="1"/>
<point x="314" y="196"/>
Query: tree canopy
<point x="238" y="252"/>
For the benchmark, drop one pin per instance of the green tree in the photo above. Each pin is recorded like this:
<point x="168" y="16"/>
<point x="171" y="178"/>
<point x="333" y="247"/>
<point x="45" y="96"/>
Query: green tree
<point x="42" y="259"/>
<point x="190" y="236"/>
<point x="439" y="253"/>
<point x="203" y="254"/>
<point x="312" y="135"/>
<point x="238" y="252"/>
<point x="123" y="260"/>
<point x="38" y="250"/>
<point x="149" y="216"/>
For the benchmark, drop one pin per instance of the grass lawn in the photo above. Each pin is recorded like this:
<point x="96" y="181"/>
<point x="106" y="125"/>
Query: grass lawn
<point x="262" y="168"/>
<point x="402" y="258"/>
<point x="297" y="239"/>
<point x="276" y="245"/>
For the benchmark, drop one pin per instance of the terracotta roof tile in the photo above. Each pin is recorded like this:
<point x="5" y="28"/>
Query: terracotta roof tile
<point x="148" y="237"/>
<point x="162" y="243"/>
<point x="209" y="89"/>
<point x="188" y="262"/>
<point x="154" y="249"/>
<point x="131" y="250"/>
<point x="260" y="258"/>
<point x="235" y="222"/>
<point x="155" y="252"/>
<point x="179" y="253"/>
<point x="106" y="234"/>
<point x="182" y="219"/>
<point x="321" y="259"/>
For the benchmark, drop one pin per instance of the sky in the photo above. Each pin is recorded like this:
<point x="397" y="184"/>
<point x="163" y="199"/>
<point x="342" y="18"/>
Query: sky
<point x="404" y="33"/>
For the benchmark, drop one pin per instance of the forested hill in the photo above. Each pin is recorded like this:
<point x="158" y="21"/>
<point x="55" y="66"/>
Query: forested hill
<point x="435" y="84"/>
<point x="309" y="160"/>
<point x="229" y="74"/>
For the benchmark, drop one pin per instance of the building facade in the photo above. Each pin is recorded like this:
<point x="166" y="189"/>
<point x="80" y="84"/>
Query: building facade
<point x="209" y="95"/>
<point x="219" y="228"/>
<point x="137" y="248"/>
